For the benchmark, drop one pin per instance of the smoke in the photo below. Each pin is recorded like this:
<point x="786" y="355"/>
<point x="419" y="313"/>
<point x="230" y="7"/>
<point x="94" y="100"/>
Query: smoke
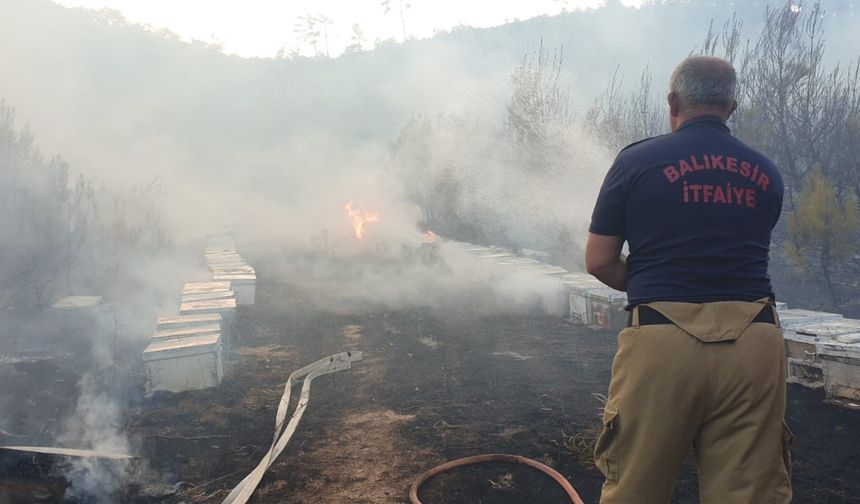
<point x="97" y="425"/>
<point x="177" y="141"/>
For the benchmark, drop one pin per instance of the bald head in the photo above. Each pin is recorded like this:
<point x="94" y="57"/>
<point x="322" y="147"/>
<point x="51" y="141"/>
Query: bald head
<point x="703" y="85"/>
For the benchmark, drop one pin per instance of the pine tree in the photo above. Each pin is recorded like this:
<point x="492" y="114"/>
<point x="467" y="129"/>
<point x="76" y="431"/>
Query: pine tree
<point x="823" y="230"/>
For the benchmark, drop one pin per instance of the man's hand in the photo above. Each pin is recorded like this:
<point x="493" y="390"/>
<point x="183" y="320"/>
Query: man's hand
<point x="603" y="260"/>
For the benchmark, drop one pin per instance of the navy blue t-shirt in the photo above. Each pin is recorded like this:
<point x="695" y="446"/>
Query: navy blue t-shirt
<point x="697" y="207"/>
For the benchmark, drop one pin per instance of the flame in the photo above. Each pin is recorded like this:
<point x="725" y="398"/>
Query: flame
<point x="431" y="236"/>
<point x="360" y="218"/>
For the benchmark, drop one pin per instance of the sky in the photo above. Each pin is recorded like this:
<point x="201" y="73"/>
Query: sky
<point x="262" y="28"/>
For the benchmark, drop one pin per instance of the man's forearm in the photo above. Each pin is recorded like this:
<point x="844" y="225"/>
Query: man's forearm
<point x="613" y="274"/>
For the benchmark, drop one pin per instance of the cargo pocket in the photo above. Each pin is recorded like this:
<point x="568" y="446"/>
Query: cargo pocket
<point x="787" y="439"/>
<point x="605" y="448"/>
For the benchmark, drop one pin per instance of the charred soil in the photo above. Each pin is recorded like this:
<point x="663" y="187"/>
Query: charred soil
<point x="434" y="385"/>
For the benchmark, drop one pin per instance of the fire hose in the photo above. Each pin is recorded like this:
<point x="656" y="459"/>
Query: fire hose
<point x="243" y="491"/>
<point x="480" y="459"/>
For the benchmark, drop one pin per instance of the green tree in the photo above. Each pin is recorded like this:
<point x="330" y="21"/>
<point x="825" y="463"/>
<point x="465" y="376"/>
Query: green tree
<point x="823" y="230"/>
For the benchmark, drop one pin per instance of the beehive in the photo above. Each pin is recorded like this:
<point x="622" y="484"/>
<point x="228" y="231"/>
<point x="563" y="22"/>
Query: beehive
<point x="178" y="365"/>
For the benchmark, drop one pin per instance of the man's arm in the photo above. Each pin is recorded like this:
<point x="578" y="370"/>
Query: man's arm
<point x="603" y="260"/>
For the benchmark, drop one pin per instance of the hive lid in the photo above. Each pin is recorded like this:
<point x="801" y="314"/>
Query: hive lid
<point x="204" y="296"/>
<point x="608" y="294"/>
<point x="78" y="303"/>
<point x="183" y="332"/>
<point x="494" y="255"/>
<point x="232" y="270"/>
<point x="228" y="257"/>
<point x="181" y="347"/>
<point x="584" y="287"/>
<point x="235" y="277"/>
<point x="837" y="349"/>
<point x="222" y="253"/>
<point x="518" y="263"/>
<point x="200" y="318"/>
<point x="209" y="305"/>
<point x="228" y="264"/>
<point x="829" y="329"/>
<point x="795" y="317"/>
<point x="198" y="287"/>
<point x="849" y="338"/>
<point x="547" y="270"/>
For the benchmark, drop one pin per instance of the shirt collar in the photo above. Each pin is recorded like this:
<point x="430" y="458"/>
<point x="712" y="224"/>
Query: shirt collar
<point x="711" y="120"/>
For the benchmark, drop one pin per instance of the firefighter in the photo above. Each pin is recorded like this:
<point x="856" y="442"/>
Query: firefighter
<point x="701" y="365"/>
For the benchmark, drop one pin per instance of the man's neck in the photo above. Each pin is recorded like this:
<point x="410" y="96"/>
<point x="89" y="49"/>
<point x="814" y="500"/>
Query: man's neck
<point x="681" y="119"/>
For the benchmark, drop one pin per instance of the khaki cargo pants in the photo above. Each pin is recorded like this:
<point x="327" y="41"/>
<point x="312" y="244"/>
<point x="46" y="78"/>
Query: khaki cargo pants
<point x="713" y="382"/>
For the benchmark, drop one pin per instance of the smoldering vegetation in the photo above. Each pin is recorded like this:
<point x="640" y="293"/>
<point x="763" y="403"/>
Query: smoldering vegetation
<point x="498" y="136"/>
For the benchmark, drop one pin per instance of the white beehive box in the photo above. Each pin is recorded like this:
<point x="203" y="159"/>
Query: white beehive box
<point x="494" y="256"/>
<point x="841" y="363"/>
<point x="228" y="264"/>
<point x="829" y="330"/>
<point x="577" y="284"/>
<point x="183" y="321"/>
<point x="226" y="308"/>
<point x="546" y="270"/>
<point x="607" y="308"/>
<point x="803" y="333"/>
<point x="186" y="332"/>
<point x="580" y="300"/>
<point x="232" y="270"/>
<point x="183" y="364"/>
<point x="801" y="348"/>
<point x="205" y="287"/>
<point x="244" y="285"/>
<point x="224" y="257"/>
<point x="515" y="261"/>
<point x="794" y="317"/>
<point x="804" y="372"/>
<point x="208" y="295"/>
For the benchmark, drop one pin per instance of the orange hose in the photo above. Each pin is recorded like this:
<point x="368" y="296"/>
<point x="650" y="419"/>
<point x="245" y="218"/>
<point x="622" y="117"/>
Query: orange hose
<point x="480" y="459"/>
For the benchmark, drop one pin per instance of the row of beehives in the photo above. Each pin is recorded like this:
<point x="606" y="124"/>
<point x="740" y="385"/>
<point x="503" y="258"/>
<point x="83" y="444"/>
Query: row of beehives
<point x="584" y="299"/>
<point x="187" y="350"/>
<point x="822" y="349"/>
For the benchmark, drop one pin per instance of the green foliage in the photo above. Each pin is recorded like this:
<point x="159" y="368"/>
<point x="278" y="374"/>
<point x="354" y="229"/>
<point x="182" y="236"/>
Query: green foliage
<point x="823" y="230"/>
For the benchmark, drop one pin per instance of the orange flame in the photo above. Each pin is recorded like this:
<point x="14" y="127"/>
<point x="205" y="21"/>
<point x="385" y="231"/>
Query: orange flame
<point x="431" y="236"/>
<point x="360" y="218"/>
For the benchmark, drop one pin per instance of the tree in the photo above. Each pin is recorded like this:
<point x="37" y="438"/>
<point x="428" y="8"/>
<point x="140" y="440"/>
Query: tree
<point x="620" y="116"/>
<point x="357" y="40"/>
<point x="540" y="106"/>
<point x="823" y="231"/>
<point x="313" y="29"/>
<point x="404" y="6"/>
<point x="794" y="108"/>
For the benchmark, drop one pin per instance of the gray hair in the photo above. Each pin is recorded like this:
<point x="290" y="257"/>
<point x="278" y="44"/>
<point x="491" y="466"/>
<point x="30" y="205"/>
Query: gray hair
<point x="704" y="82"/>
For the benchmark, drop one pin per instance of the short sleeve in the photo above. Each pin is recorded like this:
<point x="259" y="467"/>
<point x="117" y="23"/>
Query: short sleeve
<point x="609" y="214"/>
<point x="779" y="190"/>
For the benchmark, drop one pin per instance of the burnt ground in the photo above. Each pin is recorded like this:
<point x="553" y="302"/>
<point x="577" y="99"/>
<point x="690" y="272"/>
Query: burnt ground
<point x="434" y="385"/>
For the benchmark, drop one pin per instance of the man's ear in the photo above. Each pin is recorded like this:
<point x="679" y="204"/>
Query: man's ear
<point x="674" y="104"/>
<point x="732" y="110"/>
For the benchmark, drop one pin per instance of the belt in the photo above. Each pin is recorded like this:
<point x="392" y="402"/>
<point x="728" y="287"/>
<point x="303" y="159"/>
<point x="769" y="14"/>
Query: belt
<point x="650" y="316"/>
